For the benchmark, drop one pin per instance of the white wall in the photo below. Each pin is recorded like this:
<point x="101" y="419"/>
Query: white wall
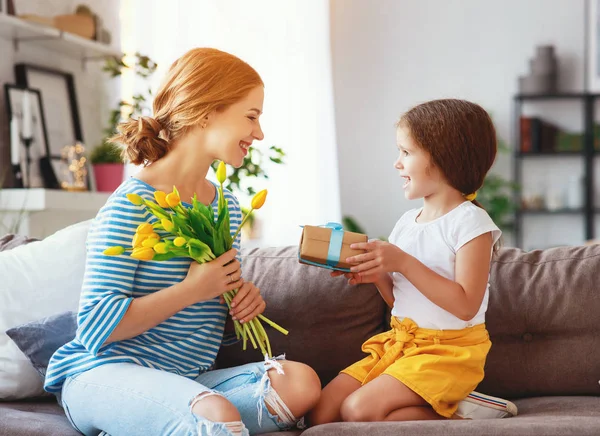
<point x="95" y="93"/>
<point x="389" y="55"/>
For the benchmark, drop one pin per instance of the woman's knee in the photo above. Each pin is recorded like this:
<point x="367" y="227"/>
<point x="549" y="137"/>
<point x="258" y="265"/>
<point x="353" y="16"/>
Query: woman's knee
<point x="299" y="387"/>
<point x="215" y="408"/>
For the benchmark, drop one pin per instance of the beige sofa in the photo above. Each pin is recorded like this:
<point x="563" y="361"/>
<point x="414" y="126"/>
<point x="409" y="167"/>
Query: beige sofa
<point x="544" y="321"/>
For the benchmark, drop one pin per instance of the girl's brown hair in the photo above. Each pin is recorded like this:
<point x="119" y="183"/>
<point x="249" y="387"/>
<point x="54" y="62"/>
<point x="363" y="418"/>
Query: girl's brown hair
<point x="460" y="138"/>
<point x="201" y="81"/>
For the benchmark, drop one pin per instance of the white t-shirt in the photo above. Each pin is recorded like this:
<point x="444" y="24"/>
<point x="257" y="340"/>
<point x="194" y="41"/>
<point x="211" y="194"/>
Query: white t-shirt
<point x="435" y="244"/>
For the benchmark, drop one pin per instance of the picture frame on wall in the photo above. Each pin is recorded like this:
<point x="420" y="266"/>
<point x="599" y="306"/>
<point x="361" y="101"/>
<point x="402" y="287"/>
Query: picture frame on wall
<point x="60" y="104"/>
<point x="29" y="150"/>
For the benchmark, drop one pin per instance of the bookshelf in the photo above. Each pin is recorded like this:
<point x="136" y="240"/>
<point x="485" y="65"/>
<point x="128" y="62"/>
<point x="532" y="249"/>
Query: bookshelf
<point x="50" y="38"/>
<point x="587" y="153"/>
<point x="40" y="212"/>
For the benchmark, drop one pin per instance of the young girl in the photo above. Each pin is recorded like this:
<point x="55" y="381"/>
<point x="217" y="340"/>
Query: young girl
<point x="434" y="274"/>
<point x="148" y="332"/>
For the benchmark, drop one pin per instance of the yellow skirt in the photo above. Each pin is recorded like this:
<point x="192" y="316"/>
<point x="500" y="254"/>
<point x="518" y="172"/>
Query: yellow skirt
<point x="441" y="366"/>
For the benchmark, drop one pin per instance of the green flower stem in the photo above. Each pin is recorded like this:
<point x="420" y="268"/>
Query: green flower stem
<point x="272" y="324"/>
<point x="249" y="334"/>
<point x="241" y="225"/>
<point x="239" y="331"/>
<point x="264" y="335"/>
<point x="258" y="338"/>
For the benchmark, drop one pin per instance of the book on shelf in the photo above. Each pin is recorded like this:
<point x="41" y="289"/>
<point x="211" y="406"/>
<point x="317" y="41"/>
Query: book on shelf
<point x="540" y="136"/>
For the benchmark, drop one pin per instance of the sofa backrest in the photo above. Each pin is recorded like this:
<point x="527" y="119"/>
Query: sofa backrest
<point x="544" y="322"/>
<point x="543" y="318"/>
<point x="327" y="319"/>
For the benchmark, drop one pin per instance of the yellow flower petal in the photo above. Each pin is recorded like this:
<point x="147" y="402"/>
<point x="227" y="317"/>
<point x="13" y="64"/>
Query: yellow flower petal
<point x="143" y="253"/>
<point x="137" y="240"/>
<point x="221" y="172"/>
<point x="259" y="199"/>
<point x="135" y="199"/>
<point x="145" y="229"/>
<point x="150" y="242"/>
<point x="114" y="251"/>
<point x="173" y="199"/>
<point x="161" y="199"/>
<point x="179" y="241"/>
<point x="167" y="224"/>
<point x="160" y="248"/>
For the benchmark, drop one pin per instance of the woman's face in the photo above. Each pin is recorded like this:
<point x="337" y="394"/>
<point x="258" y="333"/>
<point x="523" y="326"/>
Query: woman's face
<point x="229" y="134"/>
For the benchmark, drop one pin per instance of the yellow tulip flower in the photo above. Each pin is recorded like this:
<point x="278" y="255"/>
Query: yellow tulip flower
<point x="259" y="199"/>
<point x="135" y="199"/>
<point x="160" y="248"/>
<point x="137" y="240"/>
<point x="172" y="199"/>
<point x="114" y="251"/>
<point x="150" y="242"/>
<point x="179" y="241"/>
<point x="143" y="253"/>
<point x="221" y="172"/>
<point x="145" y="229"/>
<point x="167" y="224"/>
<point x="161" y="199"/>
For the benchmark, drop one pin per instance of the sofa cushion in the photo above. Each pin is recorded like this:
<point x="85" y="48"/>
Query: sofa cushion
<point x="328" y="319"/>
<point x="557" y="416"/>
<point x="10" y="241"/>
<point x="40" y="279"/>
<point x="34" y="418"/>
<point x="543" y="320"/>
<point x="38" y="340"/>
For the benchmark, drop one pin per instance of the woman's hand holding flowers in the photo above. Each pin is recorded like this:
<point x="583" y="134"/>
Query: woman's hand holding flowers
<point x="212" y="279"/>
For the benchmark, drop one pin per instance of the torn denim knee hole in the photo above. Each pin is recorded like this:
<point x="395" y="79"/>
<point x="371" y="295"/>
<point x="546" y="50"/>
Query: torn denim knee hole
<point x="202" y="396"/>
<point x="268" y="396"/>
<point x="208" y="427"/>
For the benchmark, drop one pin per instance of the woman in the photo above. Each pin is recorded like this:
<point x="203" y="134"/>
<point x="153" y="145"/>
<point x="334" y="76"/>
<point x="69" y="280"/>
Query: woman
<point x="149" y="332"/>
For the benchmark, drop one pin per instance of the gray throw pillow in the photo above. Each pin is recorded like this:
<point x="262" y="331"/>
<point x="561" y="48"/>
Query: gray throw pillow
<point x="38" y="340"/>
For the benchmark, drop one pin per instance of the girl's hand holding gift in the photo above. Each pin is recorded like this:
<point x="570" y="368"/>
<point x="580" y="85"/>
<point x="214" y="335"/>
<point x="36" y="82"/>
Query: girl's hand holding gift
<point x="380" y="257"/>
<point x="358" y="278"/>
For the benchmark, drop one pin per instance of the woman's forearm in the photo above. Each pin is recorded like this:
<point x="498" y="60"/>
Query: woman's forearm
<point x="150" y="310"/>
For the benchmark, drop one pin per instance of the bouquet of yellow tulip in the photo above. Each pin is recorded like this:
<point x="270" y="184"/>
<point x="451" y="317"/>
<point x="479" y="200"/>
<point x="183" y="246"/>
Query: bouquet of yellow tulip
<point x="198" y="234"/>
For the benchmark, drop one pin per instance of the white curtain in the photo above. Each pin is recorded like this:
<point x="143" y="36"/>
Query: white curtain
<point x="288" y="43"/>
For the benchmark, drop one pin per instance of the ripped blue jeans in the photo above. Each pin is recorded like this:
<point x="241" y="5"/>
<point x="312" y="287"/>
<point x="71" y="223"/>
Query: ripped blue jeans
<point x="127" y="399"/>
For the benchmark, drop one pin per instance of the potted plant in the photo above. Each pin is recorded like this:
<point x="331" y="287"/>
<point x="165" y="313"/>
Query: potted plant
<point x="497" y="196"/>
<point x="108" y="166"/>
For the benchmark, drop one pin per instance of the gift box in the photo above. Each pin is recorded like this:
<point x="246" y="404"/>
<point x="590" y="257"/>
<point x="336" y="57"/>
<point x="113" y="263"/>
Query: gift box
<point x="328" y="246"/>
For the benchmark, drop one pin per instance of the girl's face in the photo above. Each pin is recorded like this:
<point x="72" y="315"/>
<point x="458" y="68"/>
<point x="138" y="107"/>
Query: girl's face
<point x="229" y="134"/>
<point x="421" y="178"/>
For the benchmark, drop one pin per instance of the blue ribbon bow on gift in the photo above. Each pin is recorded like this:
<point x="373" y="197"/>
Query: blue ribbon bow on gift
<point x="335" y="248"/>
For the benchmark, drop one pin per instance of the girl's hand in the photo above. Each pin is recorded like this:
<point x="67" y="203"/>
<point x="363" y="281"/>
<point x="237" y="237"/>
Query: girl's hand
<point x="248" y="303"/>
<point x="357" y="278"/>
<point x="211" y="279"/>
<point x="381" y="257"/>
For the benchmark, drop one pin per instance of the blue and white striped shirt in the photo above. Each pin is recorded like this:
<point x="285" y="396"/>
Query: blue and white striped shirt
<point x="185" y="344"/>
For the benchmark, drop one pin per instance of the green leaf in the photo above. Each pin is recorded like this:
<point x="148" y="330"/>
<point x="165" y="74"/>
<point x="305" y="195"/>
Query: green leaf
<point x="218" y="246"/>
<point x="182" y="226"/>
<point x="168" y="255"/>
<point x="196" y="243"/>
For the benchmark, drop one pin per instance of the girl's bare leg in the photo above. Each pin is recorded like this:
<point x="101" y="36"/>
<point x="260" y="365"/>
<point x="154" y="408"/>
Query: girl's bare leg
<point x="332" y="397"/>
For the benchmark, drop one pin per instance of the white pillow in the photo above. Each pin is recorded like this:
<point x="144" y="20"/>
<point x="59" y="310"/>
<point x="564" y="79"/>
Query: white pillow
<point x="37" y="280"/>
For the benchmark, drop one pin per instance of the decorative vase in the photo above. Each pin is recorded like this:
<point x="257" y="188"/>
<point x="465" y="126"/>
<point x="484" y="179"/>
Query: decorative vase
<point x="108" y="176"/>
